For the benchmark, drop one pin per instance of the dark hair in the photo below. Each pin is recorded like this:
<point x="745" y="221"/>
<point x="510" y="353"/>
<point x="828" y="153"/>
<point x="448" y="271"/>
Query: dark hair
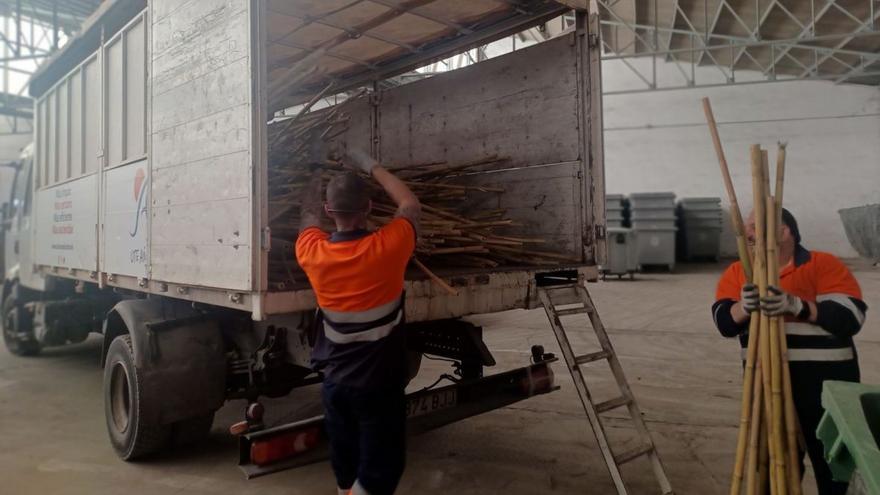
<point x="348" y="193"/>
<point x="789" y="220"/>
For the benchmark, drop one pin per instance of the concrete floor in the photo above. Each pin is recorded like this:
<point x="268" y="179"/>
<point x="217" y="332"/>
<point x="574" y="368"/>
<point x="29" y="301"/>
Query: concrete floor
<point x="685" y="376"/>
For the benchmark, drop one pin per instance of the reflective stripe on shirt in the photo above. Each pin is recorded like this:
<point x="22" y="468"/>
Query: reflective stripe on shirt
<point x="838" y="354"/>
<point x="365" y="316"/>
<point x="806" y="329"/>
<point x="369" y="325"/>
<point x="369" y="335"/>
<point x="845" y="301"/>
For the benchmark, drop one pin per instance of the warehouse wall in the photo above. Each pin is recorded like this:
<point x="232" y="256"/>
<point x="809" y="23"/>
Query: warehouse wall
<point x="658" y="141"/>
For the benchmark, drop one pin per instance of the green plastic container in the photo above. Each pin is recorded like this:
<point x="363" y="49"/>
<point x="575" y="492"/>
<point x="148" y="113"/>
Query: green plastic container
<point x="850" y="432"/>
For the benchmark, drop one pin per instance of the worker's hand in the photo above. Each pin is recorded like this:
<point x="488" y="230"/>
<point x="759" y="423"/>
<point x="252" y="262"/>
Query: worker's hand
<point x="749" y="297"/>
<point x="360" y="160"/>
<point x="778" y="303"/>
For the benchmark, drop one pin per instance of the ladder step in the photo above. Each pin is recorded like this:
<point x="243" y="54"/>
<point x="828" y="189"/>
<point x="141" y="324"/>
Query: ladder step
<point x="593" y="356"/>
<point x="571" y="311"/>
<point x="613" y="404"/>
<point x="633" y="453"/>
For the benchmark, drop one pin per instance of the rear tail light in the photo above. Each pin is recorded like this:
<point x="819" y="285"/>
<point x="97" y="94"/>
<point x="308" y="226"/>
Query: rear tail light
<point x="285" y="445"/>
<point x="538" y="380"/>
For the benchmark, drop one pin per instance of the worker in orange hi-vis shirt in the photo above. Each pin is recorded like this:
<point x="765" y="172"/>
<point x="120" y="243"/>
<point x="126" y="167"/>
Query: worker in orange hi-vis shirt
<point x="823" y="309"/>
<point x="357" y="276"/>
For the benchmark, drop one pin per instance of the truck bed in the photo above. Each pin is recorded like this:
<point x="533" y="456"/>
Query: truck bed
<point x="176" y="202"/>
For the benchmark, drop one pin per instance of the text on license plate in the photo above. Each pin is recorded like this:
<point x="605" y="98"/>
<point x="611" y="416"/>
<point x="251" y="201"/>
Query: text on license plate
<point x="426" y="404"/>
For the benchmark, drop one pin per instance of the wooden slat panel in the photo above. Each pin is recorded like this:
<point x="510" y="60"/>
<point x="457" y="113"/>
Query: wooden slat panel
<point x="543" y="201"/>
<point x="51" y="138"/>
<point x="92" y="109"/>
<point x="114" y="102"/>
<point x="76" y="126"/>
<point x="217" y="90"/>
<point x="63" y="130"/>
<point x="201" y="158"/>
<point x="135" y="91"/>
<point x="176" y="64"/>
<point x="522" y="105"/>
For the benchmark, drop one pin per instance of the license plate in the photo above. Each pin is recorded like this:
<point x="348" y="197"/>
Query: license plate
<point x="426" y="404"/>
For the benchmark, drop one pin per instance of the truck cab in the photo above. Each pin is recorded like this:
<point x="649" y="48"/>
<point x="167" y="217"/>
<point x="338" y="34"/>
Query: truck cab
<point x="19" y="279"/>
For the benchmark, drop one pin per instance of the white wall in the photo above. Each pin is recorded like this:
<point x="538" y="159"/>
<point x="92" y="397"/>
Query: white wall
<point x="658" y="141"/>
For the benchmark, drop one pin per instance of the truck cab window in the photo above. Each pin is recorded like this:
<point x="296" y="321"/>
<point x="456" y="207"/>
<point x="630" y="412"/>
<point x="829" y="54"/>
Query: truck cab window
<point x="27" y="170"/>
<point x="19" y="189"/>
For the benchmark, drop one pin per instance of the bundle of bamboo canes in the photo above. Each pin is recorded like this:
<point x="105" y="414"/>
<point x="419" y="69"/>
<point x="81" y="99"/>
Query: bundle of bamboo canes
<point x="768" y="431"/>
<point x="453" y="232"/>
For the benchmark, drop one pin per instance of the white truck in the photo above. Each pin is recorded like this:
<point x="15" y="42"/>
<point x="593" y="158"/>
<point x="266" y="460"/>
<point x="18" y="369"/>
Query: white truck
<point x="141" y="211"/>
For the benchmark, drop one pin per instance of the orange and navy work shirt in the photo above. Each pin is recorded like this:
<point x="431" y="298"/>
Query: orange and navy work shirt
<point x="813" y="276"/>
<point x="358" y="280"/>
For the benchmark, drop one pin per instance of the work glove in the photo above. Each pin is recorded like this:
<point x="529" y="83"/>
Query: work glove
<point x="360" y="160"/>
<point x="749" y="297"/>
<point x="778" y="303"/>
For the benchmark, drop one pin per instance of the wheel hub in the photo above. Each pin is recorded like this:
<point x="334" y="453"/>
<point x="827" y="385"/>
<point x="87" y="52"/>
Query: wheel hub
<point x="120" y="399"/>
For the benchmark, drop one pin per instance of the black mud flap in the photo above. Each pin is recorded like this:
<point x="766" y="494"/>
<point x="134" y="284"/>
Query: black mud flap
<point x="305" y="442"/>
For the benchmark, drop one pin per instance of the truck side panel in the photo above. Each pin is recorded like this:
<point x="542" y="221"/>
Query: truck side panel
<point x="68" y="140"/>
<point x="201" y="128"/>
<point x="66" y="229"/>
<point x="522" y="105"/>
<point x="126" y="177"/>
<point x="126" y="196"/>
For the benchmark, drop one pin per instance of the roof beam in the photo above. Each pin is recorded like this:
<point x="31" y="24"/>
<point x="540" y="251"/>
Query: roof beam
<point x="711" y="27"/>
<point x="756" y="33"/>
<point x="420" y="13"/>
<point x="857" y="71"/>
<point x="745" y="43"/>
<point x="441" y="50"/>
<point x="337" y="56"/>
<point x="704" y="43"/>
<point x="809" y="29"/>
<point x="842" y="43"/>
<point x="351" y="32"/>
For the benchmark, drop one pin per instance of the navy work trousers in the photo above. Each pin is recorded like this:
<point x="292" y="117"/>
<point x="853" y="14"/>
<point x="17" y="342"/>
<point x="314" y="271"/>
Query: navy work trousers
<point x="367" y="430"/>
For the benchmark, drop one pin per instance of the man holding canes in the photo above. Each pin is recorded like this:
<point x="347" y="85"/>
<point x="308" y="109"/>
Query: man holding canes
<point x="823" y="309"/>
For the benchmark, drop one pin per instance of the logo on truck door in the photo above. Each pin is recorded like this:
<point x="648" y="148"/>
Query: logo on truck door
<point x="140" y="190"/>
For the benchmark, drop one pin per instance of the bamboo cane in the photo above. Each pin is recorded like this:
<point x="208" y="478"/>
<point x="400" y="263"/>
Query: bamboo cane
<point x="752" y="478"/>
<point x="752" y="346"/>
<point x="764" y="471"/>
<point x="735" y="213"/>
<point x="760" y="274"/>
<point x="791" y="423"/>
<point x="434" y="278"/>
<point x="778" y="428"/>
<point x="747" y="418"/>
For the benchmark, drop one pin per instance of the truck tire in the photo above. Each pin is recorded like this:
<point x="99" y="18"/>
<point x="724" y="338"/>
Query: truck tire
<point x="192" y="431"/>
<point x="130" y="435"/>
<point x="16" y="321"/>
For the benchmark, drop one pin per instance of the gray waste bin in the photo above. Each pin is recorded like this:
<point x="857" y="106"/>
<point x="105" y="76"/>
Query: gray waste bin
<point x="700" y="228"/>
<point x="622" y="256"/>
<point x="653" y="220"/>
<point x="652" y="200"/>
<point x="656" y="246"/>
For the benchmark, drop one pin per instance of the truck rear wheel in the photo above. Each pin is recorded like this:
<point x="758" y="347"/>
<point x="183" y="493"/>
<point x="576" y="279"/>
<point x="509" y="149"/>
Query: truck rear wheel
<point x="18" y="329"/>
<point x="130" y="435"/>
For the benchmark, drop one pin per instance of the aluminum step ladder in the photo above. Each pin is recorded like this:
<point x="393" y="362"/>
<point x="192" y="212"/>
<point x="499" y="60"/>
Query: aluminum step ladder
<point x="552" y="297"/>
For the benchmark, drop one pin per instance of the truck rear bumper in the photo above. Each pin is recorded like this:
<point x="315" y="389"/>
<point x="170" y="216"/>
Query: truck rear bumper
<point x="305" y="442"/>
